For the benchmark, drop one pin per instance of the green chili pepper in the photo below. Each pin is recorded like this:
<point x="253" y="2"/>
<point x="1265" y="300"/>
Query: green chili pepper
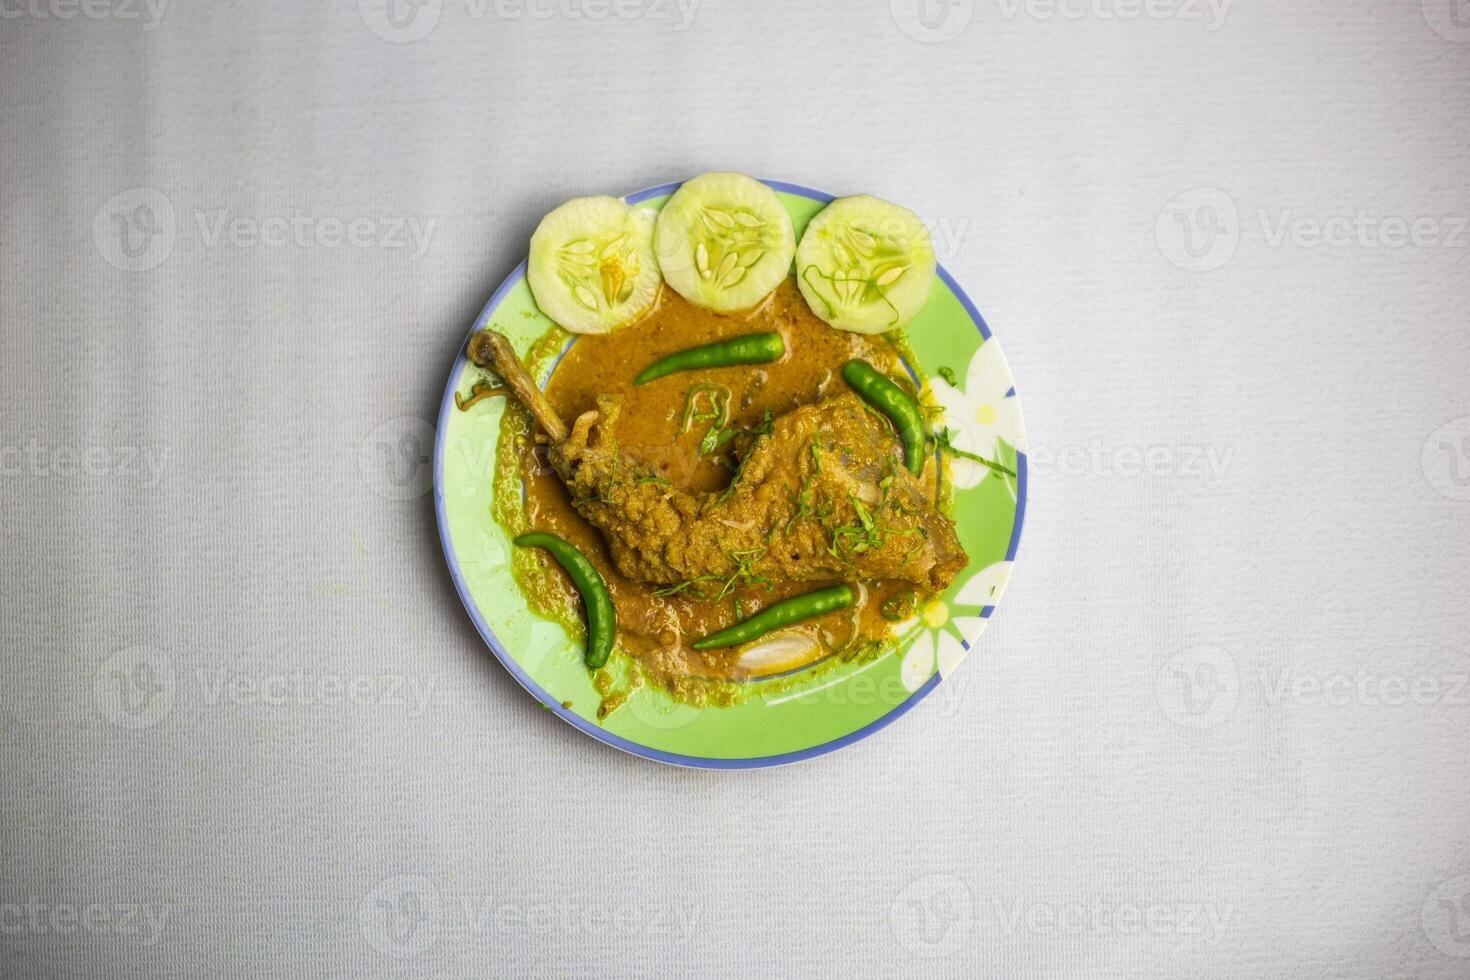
<point x="602" y="623"/>
<point x="779" y="614"/>
<point x="755" y="348"/>
<point x="895" y="403"/>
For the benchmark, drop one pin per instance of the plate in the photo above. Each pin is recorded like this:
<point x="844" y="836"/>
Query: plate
<point x="792" y="718"/>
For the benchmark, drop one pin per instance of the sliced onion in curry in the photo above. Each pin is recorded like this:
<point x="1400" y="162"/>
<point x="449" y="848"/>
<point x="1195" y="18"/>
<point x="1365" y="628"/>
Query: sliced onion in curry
<point x="778" y="653"/>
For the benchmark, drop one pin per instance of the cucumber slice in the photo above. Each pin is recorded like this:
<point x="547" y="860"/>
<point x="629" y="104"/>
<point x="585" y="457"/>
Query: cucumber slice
<point x="865" y="265"/>
<point x="724" y="241"/>
<point x="592" y="267"/>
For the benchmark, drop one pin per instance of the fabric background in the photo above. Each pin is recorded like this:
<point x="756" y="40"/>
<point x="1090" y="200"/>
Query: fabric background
<point x="1219" y="726"/>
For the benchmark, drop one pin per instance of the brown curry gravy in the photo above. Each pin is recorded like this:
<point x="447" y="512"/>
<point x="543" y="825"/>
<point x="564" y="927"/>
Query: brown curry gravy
<point x="658" y="630"/>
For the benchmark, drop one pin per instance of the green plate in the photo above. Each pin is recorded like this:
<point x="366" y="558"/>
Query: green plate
<point x="782" y="720"/>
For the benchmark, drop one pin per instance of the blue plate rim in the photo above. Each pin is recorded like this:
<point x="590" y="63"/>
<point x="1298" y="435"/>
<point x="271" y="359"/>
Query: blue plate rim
<point x="554" y="705"/>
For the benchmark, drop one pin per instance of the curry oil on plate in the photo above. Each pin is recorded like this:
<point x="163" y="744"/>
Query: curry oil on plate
<point x="795" y="717"/>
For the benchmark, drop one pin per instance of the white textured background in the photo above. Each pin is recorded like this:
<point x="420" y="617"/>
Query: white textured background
<point x="210" y="479"/>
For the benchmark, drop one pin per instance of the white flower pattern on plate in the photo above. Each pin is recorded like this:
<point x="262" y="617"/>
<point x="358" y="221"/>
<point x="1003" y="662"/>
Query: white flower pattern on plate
<point x="985" y="412"/>
<point x="933" y="645"/>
